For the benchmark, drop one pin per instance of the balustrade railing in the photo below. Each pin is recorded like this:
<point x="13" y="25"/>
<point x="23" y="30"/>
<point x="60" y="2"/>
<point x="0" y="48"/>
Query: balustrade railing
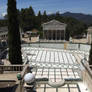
<point x="12" y="68"/>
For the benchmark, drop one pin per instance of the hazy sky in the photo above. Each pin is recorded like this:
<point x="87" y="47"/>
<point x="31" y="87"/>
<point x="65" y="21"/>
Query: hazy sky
<point x="51" y="6"/>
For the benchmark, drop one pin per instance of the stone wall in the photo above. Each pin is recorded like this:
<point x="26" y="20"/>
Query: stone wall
<point x="87" y="77"/>
<point x="80" y="47"/>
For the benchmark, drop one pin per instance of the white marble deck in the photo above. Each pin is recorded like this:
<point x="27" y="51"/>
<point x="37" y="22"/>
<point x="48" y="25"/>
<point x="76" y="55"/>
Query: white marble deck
<point x="54" y="64"/>
<point x="66" y="88"/>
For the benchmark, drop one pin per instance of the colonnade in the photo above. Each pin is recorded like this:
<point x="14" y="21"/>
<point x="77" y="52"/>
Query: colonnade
<point x="54" y="34"/>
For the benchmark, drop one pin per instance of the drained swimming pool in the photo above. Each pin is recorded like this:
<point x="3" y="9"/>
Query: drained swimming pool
<point x="56" y="64"/>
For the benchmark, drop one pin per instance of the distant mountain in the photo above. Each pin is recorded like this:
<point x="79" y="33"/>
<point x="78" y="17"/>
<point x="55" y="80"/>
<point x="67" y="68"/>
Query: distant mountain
<point x="1" y="18"/>
<point x="82" y="17"/>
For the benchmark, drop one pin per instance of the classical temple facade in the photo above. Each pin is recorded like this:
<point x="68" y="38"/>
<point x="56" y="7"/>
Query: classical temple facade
<point x="89" y="35"/>
<point x="54" y="30"/>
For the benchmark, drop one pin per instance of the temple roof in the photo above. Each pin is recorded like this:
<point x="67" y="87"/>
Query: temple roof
<point x="54" y="22"/>
<point x="54" y="25"/>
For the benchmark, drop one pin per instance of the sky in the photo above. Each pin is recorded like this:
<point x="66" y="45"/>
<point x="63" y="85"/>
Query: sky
<point x="52" y="6"/>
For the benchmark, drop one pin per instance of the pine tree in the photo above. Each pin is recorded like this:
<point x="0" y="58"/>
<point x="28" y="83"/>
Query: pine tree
<point x="39" y="18"/>
<point x="45" y="17"/>
<point x="58" y="16"/>
<point x="31" y="11"/>
<point x="28" y="18"/>
<point x="39" y="14"/>
<point x="13" y="34"/>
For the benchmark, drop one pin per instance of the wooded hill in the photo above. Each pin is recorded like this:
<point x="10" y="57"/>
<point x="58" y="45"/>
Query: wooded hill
<point x="86" y="18"/>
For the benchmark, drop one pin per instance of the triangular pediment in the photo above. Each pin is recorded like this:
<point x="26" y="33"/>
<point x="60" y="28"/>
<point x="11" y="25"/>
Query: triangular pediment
<point x="54" y="25"/>
<point x="54" y="22"/>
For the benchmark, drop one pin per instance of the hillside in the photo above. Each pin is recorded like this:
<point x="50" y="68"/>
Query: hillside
<point x="1" y="18"/>
<point x="82" y="17"/>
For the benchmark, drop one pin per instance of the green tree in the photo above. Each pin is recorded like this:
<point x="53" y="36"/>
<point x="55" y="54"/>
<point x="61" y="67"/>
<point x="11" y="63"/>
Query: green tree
<point x="39" y="17"/>
<point x="3" y="23"/>
<point x="27" y="18"/>
<point x="58" y="16"/>
<point x="44" y="17"/>
<point x="39" y="14"/>
<point x="13" y="34"/>
<point x="75" y="27"/>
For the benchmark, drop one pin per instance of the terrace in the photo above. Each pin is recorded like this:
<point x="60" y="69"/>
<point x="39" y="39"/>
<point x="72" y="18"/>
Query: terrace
<point x="54" y="62"/>
<point x="57" y="64"/>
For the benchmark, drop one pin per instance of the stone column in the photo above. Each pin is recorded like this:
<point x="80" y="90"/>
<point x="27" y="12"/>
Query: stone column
<point x="56" y="34"/>
<point x="60" y="34"/>
<point x="51" y="34"/>
<point x="47" y="34"/>
<point x="43" y="34"/>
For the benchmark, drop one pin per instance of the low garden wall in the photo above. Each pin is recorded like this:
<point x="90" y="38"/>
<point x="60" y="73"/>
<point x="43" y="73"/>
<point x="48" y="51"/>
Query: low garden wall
<point x="68" y="46"/>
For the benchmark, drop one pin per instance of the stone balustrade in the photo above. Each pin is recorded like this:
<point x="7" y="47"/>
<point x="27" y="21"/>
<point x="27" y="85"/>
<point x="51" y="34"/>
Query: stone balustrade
<point x="87" y="76"/>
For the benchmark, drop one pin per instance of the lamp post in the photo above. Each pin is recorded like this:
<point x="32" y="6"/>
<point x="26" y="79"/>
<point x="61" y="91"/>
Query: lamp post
<point x="39" y="42"/>
<point x="64" y="35"/>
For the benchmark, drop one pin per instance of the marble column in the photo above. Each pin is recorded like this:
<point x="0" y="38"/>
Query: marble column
<point x="46" y="34"/>
<point x="51" y="34"/>
<point x="43" y="35"/>
<point x="60" y="34"/>
<point x="56" y="34"/>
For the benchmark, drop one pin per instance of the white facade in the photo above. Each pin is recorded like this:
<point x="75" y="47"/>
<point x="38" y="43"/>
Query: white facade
<point x="89" y="35"/>
<point x="54" y="30"/>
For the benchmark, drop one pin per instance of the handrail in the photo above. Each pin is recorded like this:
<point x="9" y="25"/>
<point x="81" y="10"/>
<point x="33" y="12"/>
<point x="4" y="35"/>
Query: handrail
<point x="25" y="70"/>
<point x="22" y="69"/>
<point x="11" y="67"/>
<point x="87" y="67"/>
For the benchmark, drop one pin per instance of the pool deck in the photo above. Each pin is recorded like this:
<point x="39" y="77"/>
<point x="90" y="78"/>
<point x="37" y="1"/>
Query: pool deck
<point x="54" y="64"/>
